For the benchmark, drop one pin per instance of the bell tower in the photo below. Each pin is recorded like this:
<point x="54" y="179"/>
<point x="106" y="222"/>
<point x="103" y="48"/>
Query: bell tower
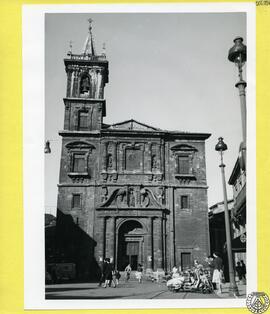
<point x="87" y="74"/>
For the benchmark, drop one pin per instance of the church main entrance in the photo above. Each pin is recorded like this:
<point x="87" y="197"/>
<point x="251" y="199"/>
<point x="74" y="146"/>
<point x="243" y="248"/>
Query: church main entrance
<point x="130" y="248"/>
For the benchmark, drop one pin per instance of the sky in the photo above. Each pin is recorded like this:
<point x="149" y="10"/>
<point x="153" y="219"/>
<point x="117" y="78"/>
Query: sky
<point x="168" y="70"/>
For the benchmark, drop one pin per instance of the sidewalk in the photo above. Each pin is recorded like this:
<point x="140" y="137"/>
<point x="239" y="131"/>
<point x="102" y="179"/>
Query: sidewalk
<point x="225" y="291"/>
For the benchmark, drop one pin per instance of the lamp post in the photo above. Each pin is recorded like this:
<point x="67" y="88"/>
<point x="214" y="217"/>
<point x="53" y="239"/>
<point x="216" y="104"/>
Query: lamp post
<point x="238" y="55"/>
<point x="233" y="290"/>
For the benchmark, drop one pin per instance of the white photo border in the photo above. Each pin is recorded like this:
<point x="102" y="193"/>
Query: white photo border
<point x="33" y="143"/>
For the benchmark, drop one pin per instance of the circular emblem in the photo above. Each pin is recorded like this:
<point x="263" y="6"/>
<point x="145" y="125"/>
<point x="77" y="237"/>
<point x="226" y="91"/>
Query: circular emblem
<point x="257" y="302"/>
<point x="243" y="238"/>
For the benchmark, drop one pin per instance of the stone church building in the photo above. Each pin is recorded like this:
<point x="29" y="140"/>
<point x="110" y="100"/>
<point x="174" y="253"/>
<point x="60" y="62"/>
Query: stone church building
<point x="127" y="191"/>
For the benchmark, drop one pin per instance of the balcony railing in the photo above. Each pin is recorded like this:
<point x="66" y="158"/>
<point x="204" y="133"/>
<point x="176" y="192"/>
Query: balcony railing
<point x="87" y="57"/>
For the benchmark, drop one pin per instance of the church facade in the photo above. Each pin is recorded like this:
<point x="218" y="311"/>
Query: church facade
<point x="127" y="191"/>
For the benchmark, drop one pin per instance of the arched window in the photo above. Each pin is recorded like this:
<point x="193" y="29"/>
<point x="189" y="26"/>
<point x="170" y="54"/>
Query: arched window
<point x="85" y="84"/>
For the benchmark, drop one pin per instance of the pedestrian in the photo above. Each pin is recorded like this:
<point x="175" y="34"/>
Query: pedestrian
<point x="115" y="277"/>
<point x="101" y="279"/>
<point x="128" y="271"/>
<point x="244" y="270"/>
<point x="139" y="273"/>
<point x="175" y="272"/>
<point x="210" y="262"/>
<point x="107" y="273"/>
<point x="238" y="269"/>
<point x="218" y="272"/>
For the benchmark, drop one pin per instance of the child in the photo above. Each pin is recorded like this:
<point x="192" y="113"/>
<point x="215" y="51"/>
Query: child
<point x="115" y="277"/>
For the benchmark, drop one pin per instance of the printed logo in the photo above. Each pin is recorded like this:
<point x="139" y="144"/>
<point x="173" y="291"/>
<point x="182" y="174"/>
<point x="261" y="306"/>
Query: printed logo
<point x="257" y="302"/>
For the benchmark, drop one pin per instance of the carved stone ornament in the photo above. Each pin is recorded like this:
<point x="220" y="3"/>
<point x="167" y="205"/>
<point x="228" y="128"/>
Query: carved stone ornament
<point x="104" y="194"/>
<point x="104" y="176"/>
<point x="131" y="197"/>
<point x="184" y="180"/>
<point x="144" y="199"/>
<point x="109" y="177"/>
<point x="79" y="179"/>
<point x="161" y="194"/>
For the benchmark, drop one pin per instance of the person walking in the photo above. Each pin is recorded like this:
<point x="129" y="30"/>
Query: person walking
<point x="101" y="280"/>
<point x="238" y="269"/>
<point x="139" y="273"/>
<point x="174" y="272"/>
<point x="128" y="271"/>
<point x="115" y="277"/>
<point x="107" y="272"/>
<point x="218" y="272"/>
<point x="243" y="270"/>
<point x="210" y="262"/>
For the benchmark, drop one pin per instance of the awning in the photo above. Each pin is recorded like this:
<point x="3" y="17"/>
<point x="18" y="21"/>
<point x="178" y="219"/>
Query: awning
<point x="238" y="244"/>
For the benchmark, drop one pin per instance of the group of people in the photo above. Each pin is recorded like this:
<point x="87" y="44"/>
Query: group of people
<point x="216" y="269"/>
<point x="110" y="276"/>
<point x="241" y="270"/>
<point x="138" y="273"/>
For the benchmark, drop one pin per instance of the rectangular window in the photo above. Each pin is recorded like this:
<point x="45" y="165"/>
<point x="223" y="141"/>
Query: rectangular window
<point x="76" y="201"/>
<point x="184" y="201"/>
<point x="186" y="261"/>
<point x="78" y="163"/>
<point x="183" y="165"/>
<point x="133" y="159"/>
<point x="83" y="120"/>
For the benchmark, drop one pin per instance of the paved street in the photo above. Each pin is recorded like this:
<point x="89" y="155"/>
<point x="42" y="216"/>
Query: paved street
<point x="130" y="290"/>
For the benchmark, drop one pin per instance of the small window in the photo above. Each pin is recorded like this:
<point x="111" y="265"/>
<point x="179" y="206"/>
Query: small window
<point x="78" y="163"/>
<point x="183" y="165"/>
<point x="184" y="201"/>
<point x="83" y="115"/>
<point x="76" y="201"/>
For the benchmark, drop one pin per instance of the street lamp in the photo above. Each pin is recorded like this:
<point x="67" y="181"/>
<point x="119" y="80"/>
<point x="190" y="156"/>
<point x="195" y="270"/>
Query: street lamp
<point x="233" y="290"/>
<point x="238" y="55"/>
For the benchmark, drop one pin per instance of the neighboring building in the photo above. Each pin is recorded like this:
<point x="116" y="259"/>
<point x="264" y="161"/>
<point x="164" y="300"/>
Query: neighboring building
<point x="238" y="216"/>
<point x="218" y="233"/>
<point x="50" y="238"/>
<point x="128" y="191"/>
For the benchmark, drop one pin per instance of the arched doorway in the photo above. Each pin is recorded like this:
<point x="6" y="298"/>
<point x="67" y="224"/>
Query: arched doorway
<point x="130" y="248"/>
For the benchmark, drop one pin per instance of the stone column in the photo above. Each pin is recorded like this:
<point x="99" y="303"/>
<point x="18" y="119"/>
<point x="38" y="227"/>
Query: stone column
<point x="114" y="156"/>
<point x="158" y="157"/>
<point x="147" y="158"/>
<point x="162" y="158"/>
<point x="149" y="246"/>
<point x="114" y="242"/>
<point x="67" y="116"/>
<point x="158" y="239"/>
<point x="68" y="83"/>
<point x="110" y="234"/>
<point x="165" y="245"/>
<point x="75" y="84"/>
<point x="104" y="146"/>
<point x="101" y="84"/>
<point x="104" y="238"/>
<point x="172" y="226"/>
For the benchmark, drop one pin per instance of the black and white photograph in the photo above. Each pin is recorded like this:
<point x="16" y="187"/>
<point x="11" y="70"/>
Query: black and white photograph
<point x="148" y="146"/>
